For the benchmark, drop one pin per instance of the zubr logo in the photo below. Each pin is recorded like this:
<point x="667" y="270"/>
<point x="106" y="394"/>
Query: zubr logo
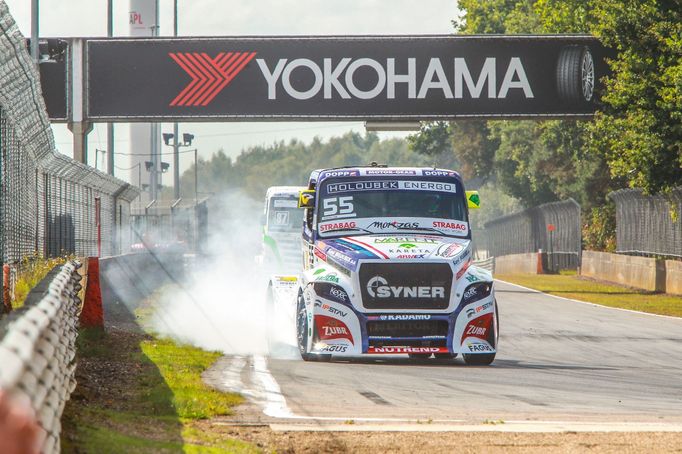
<point x="209" y="75"/>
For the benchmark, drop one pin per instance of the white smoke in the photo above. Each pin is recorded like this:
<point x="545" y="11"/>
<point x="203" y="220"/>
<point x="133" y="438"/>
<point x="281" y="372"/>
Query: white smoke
<point x="223" y="305"/>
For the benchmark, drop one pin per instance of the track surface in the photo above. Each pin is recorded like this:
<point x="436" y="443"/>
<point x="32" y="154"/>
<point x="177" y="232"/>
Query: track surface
<point x="559" y="360"/>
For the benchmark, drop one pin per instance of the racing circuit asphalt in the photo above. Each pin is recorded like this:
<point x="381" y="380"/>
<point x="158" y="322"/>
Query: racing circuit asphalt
<point x="558" y="360"/>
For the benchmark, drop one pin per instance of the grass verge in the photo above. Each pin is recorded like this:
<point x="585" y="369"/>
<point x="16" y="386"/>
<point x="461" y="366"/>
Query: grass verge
<point x="138" y="393"/>
<point x="30" y="271"/>
<point x="582" y="289"/>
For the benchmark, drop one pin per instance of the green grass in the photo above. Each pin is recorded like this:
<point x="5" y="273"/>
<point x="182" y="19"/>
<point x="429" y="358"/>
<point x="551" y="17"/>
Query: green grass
<point x="30" y="271"/>
<point x="142" y="394"/>
<point x="103" y="440"/>
<point x="571" y="286"/>
<point x="181" y="367"/>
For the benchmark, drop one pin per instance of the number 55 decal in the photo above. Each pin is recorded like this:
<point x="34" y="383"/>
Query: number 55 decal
<point x="338" y="206"/>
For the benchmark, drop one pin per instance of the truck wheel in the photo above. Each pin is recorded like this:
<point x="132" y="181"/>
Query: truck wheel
<point x="480" y="359"/>
<point x="575" y="74"/>
<point x="421" y="356"/>
<point x="302" y="329"/>
<point x="270" y="319"/>
<point x="445" y="355"/>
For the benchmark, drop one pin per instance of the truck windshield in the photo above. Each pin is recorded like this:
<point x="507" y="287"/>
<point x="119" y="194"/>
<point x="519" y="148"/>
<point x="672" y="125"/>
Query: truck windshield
<point x="284" y="215"/>
<point x="389" y="205"/>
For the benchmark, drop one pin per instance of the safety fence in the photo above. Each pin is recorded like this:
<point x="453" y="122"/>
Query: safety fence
<point x="648" y="225"/>
<point x="38" y="348"/>
<point x="50" y="205"/>
<point x="554" y="228"/>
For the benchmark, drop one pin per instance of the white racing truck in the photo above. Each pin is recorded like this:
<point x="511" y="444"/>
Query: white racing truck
<point x="281" y="258"/>
<point x="388" y="267"/>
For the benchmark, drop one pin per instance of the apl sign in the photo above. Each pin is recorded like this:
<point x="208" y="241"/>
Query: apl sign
<point x="346" y="77"/>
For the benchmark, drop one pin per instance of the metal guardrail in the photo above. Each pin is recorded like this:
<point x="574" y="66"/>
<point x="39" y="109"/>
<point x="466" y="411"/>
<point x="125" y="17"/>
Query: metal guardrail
<point x="487" y="264"/>
<point x="38" y="348"/>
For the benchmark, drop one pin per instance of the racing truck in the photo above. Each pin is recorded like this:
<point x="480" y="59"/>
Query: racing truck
<point x="388" y="267"/>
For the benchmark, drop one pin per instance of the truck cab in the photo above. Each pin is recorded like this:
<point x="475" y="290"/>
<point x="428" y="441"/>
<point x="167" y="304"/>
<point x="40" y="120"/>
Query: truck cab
<point x="281" y="246"/>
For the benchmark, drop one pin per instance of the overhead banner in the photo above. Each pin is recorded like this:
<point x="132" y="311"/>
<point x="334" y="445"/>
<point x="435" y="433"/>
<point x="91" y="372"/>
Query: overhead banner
<point x="356" y="78"/>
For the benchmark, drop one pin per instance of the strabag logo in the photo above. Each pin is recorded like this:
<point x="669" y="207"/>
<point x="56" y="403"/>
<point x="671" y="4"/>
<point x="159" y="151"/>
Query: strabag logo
<point x="378" y="287"/>
<point x="209" y="75"/>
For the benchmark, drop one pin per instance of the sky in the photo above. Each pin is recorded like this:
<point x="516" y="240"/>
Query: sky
<point x="70" y="18"/>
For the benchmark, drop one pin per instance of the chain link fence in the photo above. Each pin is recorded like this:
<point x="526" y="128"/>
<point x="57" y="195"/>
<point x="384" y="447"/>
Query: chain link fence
<point x="38" y="349"/>
<point x="648" y="225"/>
<point x="555" y="228"/>
<point x="50" y="205"/>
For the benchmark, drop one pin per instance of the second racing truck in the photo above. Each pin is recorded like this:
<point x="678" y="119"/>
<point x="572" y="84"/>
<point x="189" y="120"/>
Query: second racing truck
<point x="388" y="267"/>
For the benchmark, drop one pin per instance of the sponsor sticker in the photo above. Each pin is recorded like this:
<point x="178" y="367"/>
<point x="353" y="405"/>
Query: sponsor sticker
<point x="389" y="225"/>
<point x="335" y="226"/>
<point x="342" y="258"/>
<point x="320" y="255"/>
<point x="329" y="328"/>
<point x="472" y="278"/>
<point x="479" y="347"/>
<point x="338" y="293"/>
<point x="405" y="239"/>
<point x="483" y="307"/>
<point x="286" y="203"/>
<point x="339" y="173"/>
<point x="330" y="309"/>
<point x="378" y="287"/>
<point x="331" y="277"/>
<point x="390" y="172"/>
<point x="334" y="348"/>
<point x="448" y="250"/>
<point x="456" y="226"/>
<point x="438" y="173"/>
<point x="479" y="327"/>
<point x="383" y="185"/>
<point x="400" y="317"/>
<point x="396" y="350"/>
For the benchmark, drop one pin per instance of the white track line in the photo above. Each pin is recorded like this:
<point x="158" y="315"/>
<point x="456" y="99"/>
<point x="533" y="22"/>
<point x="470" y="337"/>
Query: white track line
<point x="590" y="304"/>
<point x="275" y="405"/>
<point x="514" y="427"/>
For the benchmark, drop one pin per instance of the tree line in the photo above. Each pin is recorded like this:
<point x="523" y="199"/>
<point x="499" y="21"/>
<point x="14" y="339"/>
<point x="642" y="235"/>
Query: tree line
<point x="633" y="141"/>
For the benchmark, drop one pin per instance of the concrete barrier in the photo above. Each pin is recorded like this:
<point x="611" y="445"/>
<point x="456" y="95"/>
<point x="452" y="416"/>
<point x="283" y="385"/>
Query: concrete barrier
<point x="127" y="279"/>
<point x="673" y="277"/>
<point x="638" y="272"/>
<point x="529" y="263"/>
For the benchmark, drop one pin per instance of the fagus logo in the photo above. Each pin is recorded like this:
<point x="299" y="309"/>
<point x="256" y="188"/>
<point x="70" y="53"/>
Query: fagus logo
<point x="209" y="75"/>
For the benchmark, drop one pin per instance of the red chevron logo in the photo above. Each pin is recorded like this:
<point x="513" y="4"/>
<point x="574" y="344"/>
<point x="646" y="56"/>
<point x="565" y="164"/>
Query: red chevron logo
<point x="209" y="75"/>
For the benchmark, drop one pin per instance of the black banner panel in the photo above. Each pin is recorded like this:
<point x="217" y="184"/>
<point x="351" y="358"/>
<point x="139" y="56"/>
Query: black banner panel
<point x="336" y="78"/>
<point x="53" y="83"/>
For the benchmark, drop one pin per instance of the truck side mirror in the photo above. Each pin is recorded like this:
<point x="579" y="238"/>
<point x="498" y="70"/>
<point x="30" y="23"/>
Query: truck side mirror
<point x="306" y="198"/>
<point x="473" y="200"/>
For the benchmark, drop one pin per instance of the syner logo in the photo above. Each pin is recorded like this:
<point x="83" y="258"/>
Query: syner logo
<point x="378" y="287"/>
<point x="338" y="78"/>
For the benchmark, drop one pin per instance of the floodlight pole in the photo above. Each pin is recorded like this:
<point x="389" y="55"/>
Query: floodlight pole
<point x="176" y="145"/>
<point x="35" y="31"/>
<point x="110" y="125"/>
